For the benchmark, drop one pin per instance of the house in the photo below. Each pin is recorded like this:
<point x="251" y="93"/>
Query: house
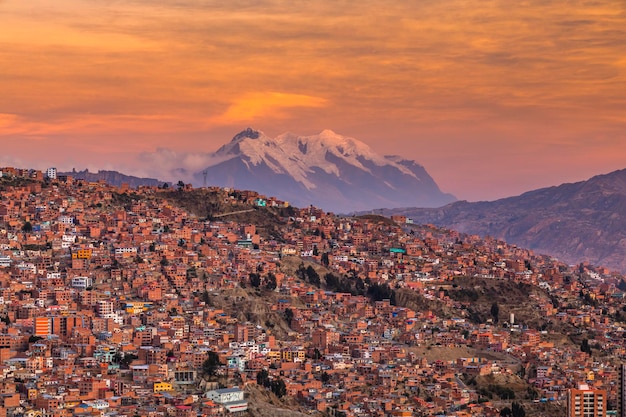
<point x="231" y="398"/>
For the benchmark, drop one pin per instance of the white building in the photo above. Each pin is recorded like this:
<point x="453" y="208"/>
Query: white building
<point x="231" y="398"/>
<point x="125" y="251"/>
<point x="105" y="309"/>
<point x="5" y="262"/>
<point x="67" y="220"/>
<point x="81" y="283"/>
<point x="51" y="173"/>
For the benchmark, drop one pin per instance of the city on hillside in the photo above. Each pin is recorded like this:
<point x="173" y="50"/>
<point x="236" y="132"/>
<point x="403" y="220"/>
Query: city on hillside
<point x="178" y="301"/>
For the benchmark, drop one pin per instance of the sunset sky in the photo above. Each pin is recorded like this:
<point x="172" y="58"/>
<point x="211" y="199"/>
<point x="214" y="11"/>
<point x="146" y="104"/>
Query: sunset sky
<point x="493" y="97"/>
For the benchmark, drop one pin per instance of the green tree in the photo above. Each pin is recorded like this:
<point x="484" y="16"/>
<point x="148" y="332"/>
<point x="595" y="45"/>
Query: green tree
<point x="279" y="388"/>
<point x="503" y="392"/>
<point x="263" y="378"/>
<point x="517" y="410"/>
<point x="584" y="346"/>
<point x="210" y="365"/>
<point x="379" y="292"/>
<point x="270" y="282"/>
<point x="506" y="412"/>
<point x="255" y="280"/>
<point x="301" y="272"/>
<point x="359" y="284"/>
<point x="325" y="261"/>
<point x="313" y="276"/>
<point x="27" y="227"/>
<point x="206" y="297"/>
<point x="332" y="281"/>
<point x="495" y="312"/>
<point x="288" y="314"/>
<point x="325" y="377"/>
<point x="317" y="355"/>
<point x="126" y="360"/>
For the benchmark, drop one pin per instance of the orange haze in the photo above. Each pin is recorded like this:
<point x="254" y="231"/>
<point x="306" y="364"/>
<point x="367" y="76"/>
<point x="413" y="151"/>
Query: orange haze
<point x="493" y="97"/>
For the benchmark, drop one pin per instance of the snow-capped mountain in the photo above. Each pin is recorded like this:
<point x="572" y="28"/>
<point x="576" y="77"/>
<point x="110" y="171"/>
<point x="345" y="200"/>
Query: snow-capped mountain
<point x="327" y="170"/>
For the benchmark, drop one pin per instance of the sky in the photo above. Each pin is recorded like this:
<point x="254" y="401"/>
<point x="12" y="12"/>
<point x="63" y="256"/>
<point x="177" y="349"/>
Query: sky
<point x="492" y="97"/>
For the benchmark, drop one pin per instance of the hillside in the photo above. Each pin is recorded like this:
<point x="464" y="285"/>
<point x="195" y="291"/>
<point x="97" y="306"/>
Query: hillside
<point x="579" y="222"/>
<point x="112" y="178"/>
<point x="388" y="298"/>
<point x="218" y="204"/>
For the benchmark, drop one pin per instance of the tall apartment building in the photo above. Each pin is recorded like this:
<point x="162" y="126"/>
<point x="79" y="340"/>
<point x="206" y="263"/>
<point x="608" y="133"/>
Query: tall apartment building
<point x="57" y="325"/>
<point x="51" y="173"/>
<point x="586" y="402"/>
<point x="105" y="309"/>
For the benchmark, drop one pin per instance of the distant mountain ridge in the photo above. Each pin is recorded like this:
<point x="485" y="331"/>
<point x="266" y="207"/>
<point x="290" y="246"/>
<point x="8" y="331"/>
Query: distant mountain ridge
<point x="328" y="170"/>
<point x="575" y="222"/>
<point x="113" y="178"/>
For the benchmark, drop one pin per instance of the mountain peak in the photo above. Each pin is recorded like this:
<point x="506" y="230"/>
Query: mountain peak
<point x="247" y="133"/>
<point x="327" y="133"/>
<point x="328" y="169"/>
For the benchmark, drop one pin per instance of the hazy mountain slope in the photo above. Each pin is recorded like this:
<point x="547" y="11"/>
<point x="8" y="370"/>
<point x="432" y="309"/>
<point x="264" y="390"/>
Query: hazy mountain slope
<point x="583" y="221"/>
<point x="113" y="178"/>
<point x="328" y="170"/>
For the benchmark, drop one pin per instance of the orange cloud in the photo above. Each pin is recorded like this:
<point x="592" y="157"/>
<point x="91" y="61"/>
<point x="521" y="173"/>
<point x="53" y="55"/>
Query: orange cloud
<point x="409" y="77"/>
<point x="262" y="105"/>
<point x="11" y="125"/>
<point x="7" y="120"/>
